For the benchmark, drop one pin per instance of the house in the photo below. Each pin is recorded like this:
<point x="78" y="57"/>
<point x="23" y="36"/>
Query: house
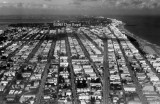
<point x="68" y="93"/>
<point x="77" y="67"/>
<point x="9" y="73"/>
<point x="46" y="97"/>
<point x="26" y="96"/>
<point x="36" y="77"/>
<point x="2" y="88"/>
<point x="158" y="69"/>
<point x="148" y="88"/>
<point x="129" y="88"/>
<point x="84" y="97"/>
<point x="95" y="84"/>
<point x="154" y="102"/>
<point x="10" y="97"/>
<point x="64" y="63"/>
<point x="114" y="77"/>
<point x="154" y="78"/>
<point x="87" y="67"/>
<point x="156" y="64"/>
<point x="84" y="90"/>
<point x="134" y="102"/>
<point x="26" y="74"/>
<point x="4" y="83"/>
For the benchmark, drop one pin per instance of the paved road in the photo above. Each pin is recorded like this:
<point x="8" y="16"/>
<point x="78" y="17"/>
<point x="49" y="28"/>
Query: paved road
<point x="19" y="48"/>
<point x="74" y="99"/>
<point x="58" y="78"/>
<point x="35" y="50"/>
<point x="138" y="86"/>
<point x="88" y="56"/>
<point x="29" y="57"/>
<point x="14" y="41"/>
<point x="93" y="42"/>
<point x="106" y="83"/>
<point x="26" y="62"/>
<point x="150" y="65"/>
<point x="124" y="96"/>
<point x="40" y="92"/>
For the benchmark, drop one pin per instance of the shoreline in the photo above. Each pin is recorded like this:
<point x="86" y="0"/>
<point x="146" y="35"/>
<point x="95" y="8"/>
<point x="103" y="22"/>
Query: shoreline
<point x="145" y="45"/>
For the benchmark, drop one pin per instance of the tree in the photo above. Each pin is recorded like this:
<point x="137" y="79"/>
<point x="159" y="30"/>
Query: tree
<point x="19" y="76"/>
<point x="39" y="57"/>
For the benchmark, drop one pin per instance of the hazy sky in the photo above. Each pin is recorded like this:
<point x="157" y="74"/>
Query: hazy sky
<point x="82" y="7"/>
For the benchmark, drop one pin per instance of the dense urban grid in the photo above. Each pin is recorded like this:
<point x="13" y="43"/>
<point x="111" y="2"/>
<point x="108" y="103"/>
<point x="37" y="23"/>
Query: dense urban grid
<point x="88" y="64"/>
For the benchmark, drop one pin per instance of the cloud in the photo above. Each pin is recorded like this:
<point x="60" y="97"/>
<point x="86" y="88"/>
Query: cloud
<point x="112" y="4"/>
<point x="86" y="0"/>
<point x="48" y="0"/>
<point x="76" y="3"/>
<point x="136" y="4"/>
<point x="80" y="2"/>
<point x="27" y="5"/>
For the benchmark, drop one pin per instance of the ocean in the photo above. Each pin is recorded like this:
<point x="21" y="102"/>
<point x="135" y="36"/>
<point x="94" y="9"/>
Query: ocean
<point x="146" y="27"/>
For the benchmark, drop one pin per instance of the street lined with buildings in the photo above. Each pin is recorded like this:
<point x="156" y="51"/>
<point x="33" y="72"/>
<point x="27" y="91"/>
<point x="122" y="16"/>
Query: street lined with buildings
<point x="85" y="65"/>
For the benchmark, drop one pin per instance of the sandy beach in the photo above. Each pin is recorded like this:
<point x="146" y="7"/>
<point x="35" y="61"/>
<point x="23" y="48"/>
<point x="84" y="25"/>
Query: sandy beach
<point x="145" y="45"/>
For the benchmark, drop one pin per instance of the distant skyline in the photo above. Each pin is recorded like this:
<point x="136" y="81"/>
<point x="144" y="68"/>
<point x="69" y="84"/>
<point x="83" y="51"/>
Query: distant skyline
<point x="80" y="7"/>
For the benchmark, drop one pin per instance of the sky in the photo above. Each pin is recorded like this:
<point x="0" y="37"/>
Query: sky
<point x="80" y="7"/>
